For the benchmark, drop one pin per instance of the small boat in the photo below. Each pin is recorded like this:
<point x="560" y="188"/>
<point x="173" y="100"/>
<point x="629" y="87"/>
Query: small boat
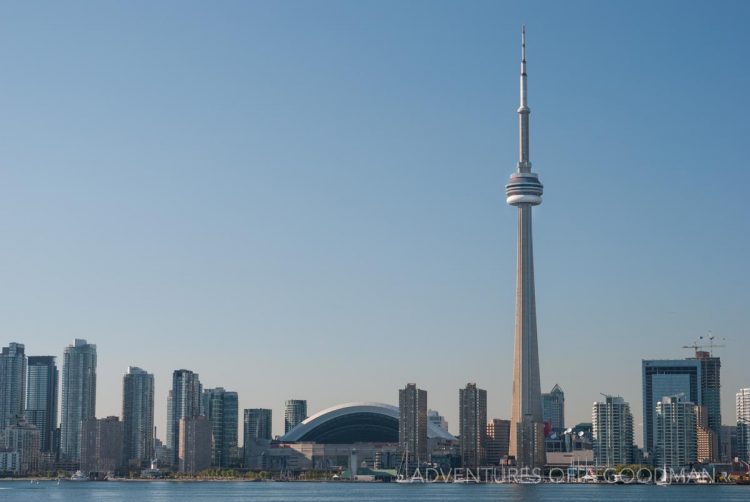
<point x="79" y="476"/>
<point x="528" y="480"/>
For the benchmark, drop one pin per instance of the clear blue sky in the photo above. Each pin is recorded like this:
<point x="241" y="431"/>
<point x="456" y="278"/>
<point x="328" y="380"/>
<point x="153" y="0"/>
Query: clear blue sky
<point x="306" y="199"/>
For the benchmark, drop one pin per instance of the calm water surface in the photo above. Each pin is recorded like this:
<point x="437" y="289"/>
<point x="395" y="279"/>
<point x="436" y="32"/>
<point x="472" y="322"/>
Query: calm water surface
<point x="112" y="491"/>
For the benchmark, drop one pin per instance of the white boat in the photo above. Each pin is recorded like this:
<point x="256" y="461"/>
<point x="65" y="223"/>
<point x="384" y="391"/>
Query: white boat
<point x="79" y="476"/>
<point x="528" y="480"/>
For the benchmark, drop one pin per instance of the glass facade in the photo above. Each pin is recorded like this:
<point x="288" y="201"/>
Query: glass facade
<point x="41" y="398"/>
<point x="662" y="378"/>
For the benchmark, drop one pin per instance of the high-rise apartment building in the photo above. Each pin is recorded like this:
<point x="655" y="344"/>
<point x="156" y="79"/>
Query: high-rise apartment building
<point x="472" y="408"/>
<point x="707" y="441"/>
<point x="743" y="424"/>
<point x="710" y="389"/>
<point x="553" y="409"/>
<point x="12" y="384"/>
<point x="669" y="377"/>
<point x="221" y="409"/>
<point x="184" y="401"/>
<point x="138" y="416"/>
<point x="612" y="429"/>
<point x="19" y="448"/>
<point x="41" y="398"/>
<point x="78" y="396"/>
<point x="101" y="445"/>
<point x="412" y="426"/>
<point x="295" y="412"/>
<point x="256" y="429"/>
<point x="498" y="440"/>
<point x="257" y="424"/>
<point x="194" y="449"/>
<point x="676" y="442"/>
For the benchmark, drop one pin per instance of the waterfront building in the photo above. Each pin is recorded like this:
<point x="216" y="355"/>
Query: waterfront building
<point x="12" y="383"/>
<point x="668" y="377"/>
<point x="194" y="449"/>
<point x="101" y="445"/>
<point x="325" y="440"/>
<point x="138" y="416"/>
<point x="524" y="191"/>
<point x="412" y="425"/>
<point x="553" y="409"/>
<point x="221" y="409"/>
<point x="41" y="399"/>
<point x="707" y="441"/>
<point x="743" y="425"/>
<point x="184" y="400"/>
<point x="498" y="440"/>
<point x="676" y="442"/>
<point x="295" y="412"/>
<point x="78" y="396"/>
<point x="612" y="431"/>
<point x="19" y="448"/>
<point x="472" y="407"/>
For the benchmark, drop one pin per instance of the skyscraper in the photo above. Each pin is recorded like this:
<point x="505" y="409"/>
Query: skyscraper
<point x="525" y="191"/>
<point x="41" y="398"/>
<point x="257" y="424"/>
<point x="707" y="441"/>
<point x="710" y="388"/>
<point x="743" y="424"/>
<point x="612" y="425"/>
<point x="412" y="424"/>
<point x="194" y="453"/>
<point x="185" y="401"/>
<point x="78" y="395"/>
<point x="256" y="429"/>
<point x="12" y="384"/>
<point x="138" y="416"/>
<point x="553" y="408"/>
<point x="676" y="442"/>
<point x="295" y="412"/>
<point x="472" y="419"/>
<point x="668" y="377"/>
<point x="498" y="439"/>
<point x="220" y="407"/>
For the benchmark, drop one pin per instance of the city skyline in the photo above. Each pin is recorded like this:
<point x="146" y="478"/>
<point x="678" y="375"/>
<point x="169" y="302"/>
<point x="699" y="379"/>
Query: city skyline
<point x="194" y="222"/>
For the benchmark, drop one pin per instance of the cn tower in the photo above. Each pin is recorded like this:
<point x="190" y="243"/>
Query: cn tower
<point x="525" y="191"/>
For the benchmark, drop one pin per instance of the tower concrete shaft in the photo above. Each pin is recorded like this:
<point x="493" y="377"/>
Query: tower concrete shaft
<point x="525" y="191"/>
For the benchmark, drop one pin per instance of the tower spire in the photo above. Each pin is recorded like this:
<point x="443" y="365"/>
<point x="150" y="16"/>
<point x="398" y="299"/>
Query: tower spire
<point x="524" y="165"/>
<point x="525" y="191"/>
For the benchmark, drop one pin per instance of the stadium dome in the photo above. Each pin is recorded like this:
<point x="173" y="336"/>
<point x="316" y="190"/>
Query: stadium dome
<point x="350" y="423"/>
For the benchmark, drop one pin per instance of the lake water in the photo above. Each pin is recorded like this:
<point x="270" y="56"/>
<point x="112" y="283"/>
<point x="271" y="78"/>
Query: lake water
<point x="112" y="491"/>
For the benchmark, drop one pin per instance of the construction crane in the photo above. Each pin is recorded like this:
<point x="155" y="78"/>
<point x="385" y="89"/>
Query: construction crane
<point x="700" y="343"/>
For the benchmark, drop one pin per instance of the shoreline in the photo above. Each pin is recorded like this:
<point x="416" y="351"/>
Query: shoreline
<point x="338" y="481"/>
